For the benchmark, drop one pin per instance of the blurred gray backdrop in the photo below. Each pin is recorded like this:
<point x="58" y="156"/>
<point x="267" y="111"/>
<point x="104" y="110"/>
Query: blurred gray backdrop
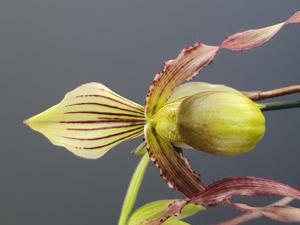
<point x="48" y="47"/>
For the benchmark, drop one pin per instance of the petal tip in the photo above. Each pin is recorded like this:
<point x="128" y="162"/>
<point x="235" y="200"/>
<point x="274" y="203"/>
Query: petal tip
<point x="26" y="122"/>
<point x="29" y="122"/>
<point x="35" y="122"/>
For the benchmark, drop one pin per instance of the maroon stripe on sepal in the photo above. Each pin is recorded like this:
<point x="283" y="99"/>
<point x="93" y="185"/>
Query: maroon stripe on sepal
<point x="102" y="113"/>
<point x="107" y="128"/>
<point x="120" y="139"/>
<point x="103" y="137"/>
<point x="112" y="99"/>
<point x="101" y="120"/>
<point x="104" y="105"/>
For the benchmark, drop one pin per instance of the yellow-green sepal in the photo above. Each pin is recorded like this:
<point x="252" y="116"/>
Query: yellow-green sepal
<point x="90" y="121"/>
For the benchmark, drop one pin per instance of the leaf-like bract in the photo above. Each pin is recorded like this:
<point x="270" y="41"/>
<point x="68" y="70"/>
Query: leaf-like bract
<point x="155" y="209"/>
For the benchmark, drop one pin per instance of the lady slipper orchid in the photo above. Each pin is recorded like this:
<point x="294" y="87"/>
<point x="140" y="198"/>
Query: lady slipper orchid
<point x="220" y="120"/>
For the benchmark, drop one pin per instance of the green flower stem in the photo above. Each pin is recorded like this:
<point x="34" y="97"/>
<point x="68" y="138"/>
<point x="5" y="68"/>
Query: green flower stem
<point x="133" y="189"/>
<point x="280" y="105"/>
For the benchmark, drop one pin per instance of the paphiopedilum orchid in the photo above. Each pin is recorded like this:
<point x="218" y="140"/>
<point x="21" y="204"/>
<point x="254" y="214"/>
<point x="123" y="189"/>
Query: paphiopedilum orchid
<point x="92" y="119"/>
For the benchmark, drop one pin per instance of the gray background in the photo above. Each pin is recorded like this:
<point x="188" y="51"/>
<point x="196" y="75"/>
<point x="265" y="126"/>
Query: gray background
<point x="48" y="47"/>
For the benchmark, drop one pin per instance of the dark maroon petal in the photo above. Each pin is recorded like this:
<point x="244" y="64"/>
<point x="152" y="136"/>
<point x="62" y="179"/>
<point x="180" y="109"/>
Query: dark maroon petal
<point x="174" y="168"/>
<point x="222" y="191"/>
<point x="194" y="59"/>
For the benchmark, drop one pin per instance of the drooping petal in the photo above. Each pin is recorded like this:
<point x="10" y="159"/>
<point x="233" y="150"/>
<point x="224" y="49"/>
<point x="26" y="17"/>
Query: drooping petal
<point x="154" y="210"/>
<point x="222" y="191"/>
<point x="256" y="37"/>
<point x="90" y="120"/>
<point x="280" y="213"/>
<point x="192" y="60"/>
<point x="250" y="215"/>
<point x="174" y="168"/>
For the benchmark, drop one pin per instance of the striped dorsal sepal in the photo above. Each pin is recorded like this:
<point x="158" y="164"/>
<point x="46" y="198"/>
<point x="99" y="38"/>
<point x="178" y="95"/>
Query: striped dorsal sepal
<point x="90" y="121"/>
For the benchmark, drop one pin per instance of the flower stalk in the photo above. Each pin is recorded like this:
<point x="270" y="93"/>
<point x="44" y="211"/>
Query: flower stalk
<point x="133" y="189"/>
<point x="261" y="95"/>
<point x="281" y="105"/>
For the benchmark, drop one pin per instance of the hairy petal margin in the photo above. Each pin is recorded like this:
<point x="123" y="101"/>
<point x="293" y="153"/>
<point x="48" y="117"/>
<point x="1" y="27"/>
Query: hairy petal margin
<point x="193" y="59"/>
<point x="222" y="191"/>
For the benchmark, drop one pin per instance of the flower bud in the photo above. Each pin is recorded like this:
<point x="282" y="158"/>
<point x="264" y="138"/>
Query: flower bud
<point x="220" y="123"/>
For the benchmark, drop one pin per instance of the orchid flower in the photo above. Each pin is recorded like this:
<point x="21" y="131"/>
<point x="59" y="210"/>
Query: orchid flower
<point x="92" y="119"/>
